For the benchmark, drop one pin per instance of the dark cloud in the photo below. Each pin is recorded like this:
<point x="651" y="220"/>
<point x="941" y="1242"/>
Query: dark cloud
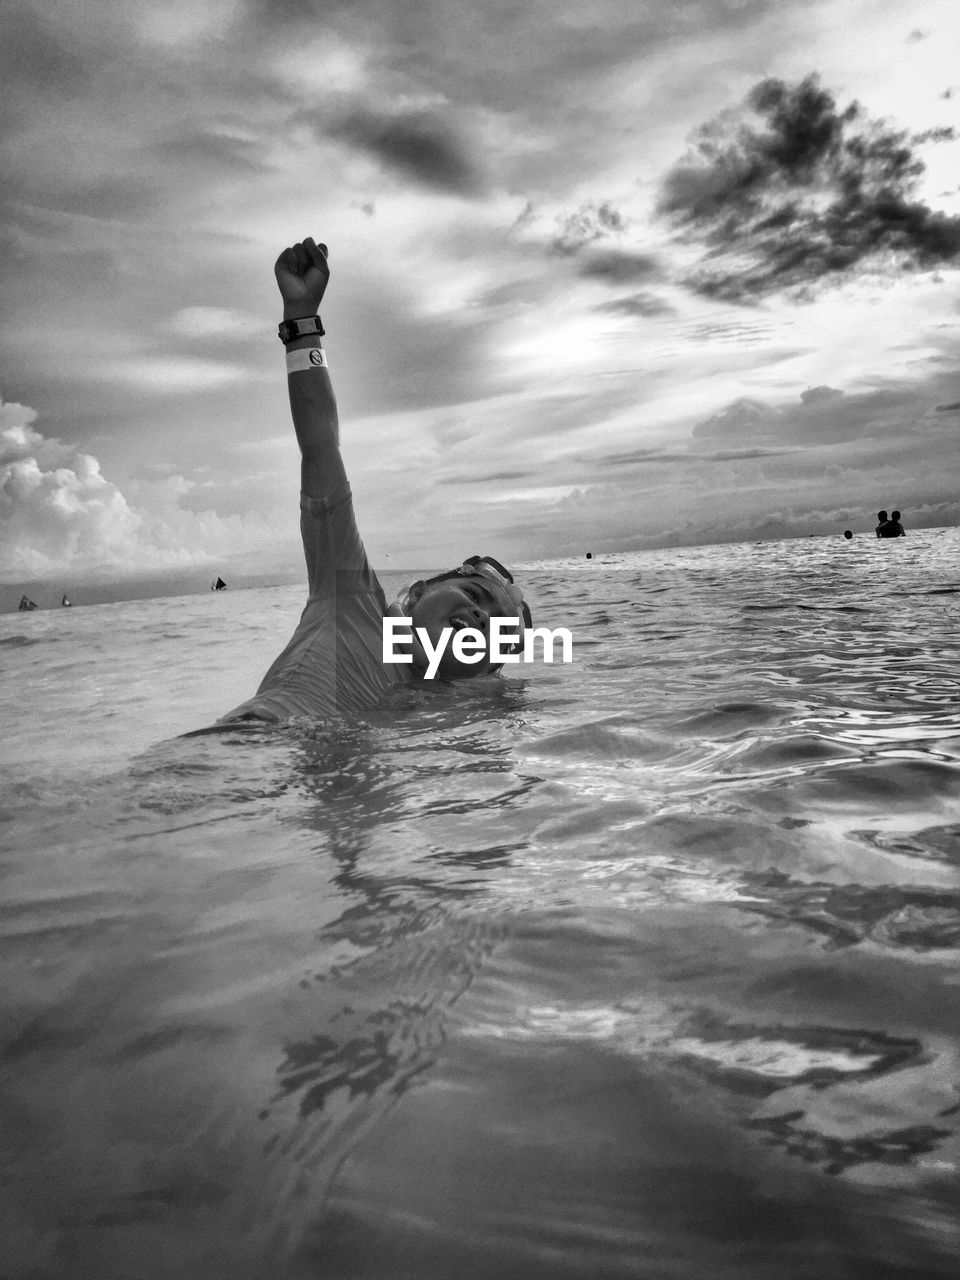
<point x="525" y="216"/>
<point x="904" y="424"/>
<point x="637" y="457"/>
<point x="802" y="192"/>
<point x="584" y="237"/>
<point x="742" y="455"/>
<point x="642" y="457"/>
<point x="37" y="63"/>
<point x="488" y="476"/>
<point x="417" y="145"/>
<point x="942" y="133"/>
<point x="820" y="395"/>
<point x="619" y="267"/>
<point x="638" y="304"/>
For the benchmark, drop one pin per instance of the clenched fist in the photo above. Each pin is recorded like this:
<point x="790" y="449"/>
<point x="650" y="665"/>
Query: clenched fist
<point x="302" y="274"/>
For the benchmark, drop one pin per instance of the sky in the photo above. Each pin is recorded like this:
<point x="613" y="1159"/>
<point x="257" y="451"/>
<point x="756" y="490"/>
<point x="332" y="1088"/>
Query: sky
<point x="605" y="275"/>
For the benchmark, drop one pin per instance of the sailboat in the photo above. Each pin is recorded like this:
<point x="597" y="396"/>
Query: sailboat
<point x="67" y="604"/>
<point x="219" y="585"/>
<point x="26" y="604"/>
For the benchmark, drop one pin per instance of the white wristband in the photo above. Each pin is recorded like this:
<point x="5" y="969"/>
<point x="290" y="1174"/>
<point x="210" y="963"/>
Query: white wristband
<point x="305" y="359"/>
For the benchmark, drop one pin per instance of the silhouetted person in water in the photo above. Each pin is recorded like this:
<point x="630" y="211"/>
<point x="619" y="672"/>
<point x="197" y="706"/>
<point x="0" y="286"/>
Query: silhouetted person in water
<point x="882" y="520"/>
<point x="893" y="528"/>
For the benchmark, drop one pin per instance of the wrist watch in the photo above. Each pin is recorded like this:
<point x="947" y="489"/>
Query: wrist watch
<point x="301" y="328"/>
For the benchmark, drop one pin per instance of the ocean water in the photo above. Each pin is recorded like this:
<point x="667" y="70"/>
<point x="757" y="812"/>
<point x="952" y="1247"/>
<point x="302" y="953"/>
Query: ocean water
<point x="643" y="966"/>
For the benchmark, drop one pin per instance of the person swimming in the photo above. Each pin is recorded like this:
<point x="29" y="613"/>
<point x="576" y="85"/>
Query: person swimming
<point x="881" y="521"/>
<point x="892" y="528"/>
<point x="333" y="664"/>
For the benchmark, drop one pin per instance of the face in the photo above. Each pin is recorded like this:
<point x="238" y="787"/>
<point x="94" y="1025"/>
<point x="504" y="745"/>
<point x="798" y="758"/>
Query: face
<point x="457" y="603"/>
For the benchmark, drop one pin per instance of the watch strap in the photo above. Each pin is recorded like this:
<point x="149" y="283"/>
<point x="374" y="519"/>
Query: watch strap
<point x="302" y="327"/>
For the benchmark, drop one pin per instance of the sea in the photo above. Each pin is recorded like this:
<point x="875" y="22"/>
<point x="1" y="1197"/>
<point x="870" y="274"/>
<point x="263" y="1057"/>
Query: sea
<point x="642" y="965"/>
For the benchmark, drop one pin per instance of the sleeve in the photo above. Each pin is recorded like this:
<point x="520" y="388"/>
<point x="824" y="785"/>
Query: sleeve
<point x="336" y="559"/>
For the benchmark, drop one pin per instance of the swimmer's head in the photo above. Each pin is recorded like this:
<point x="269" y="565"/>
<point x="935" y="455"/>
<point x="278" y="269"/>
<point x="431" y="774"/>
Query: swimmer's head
<point x="468" y="596"/>
<point x="881" y="516"/>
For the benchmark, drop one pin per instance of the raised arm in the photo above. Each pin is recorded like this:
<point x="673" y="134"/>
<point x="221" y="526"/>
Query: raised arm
<point x="302" y="274"/>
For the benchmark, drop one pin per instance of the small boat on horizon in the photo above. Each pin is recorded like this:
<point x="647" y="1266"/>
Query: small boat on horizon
<point x="219" y="585"/>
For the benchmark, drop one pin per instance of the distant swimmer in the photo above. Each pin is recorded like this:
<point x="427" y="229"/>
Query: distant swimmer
<point x="26" y="604"/>
<point x="881" y="521"/>
<point x="893" y="528"/>
<point x="848" y="533"/>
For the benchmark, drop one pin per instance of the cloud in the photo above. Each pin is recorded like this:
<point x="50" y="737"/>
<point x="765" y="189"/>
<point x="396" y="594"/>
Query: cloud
<point x="744" y="419"/>
<point x="212" y="322"/>
<point x="589" y="223"/>
<point x="820" y="395"/>
<point x="617" y="266"/>
<point x="801" y="192"/>
<point x="211" y="152"/>
<point x="59" y="515"/>
<point x="638" y="304"/>
<point x="900" y="418"/>
<point x="55" y="506"/>
<point x="177" y="375"/>
<point x="416" y="144"/>
<point x="636" y="457"/>
<point x="486" y="477"/>
<point x="583" y="236"/>
<point x="179" y="23"/>
<point x="942" y="133"/>
<point x="37" y="61"/>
